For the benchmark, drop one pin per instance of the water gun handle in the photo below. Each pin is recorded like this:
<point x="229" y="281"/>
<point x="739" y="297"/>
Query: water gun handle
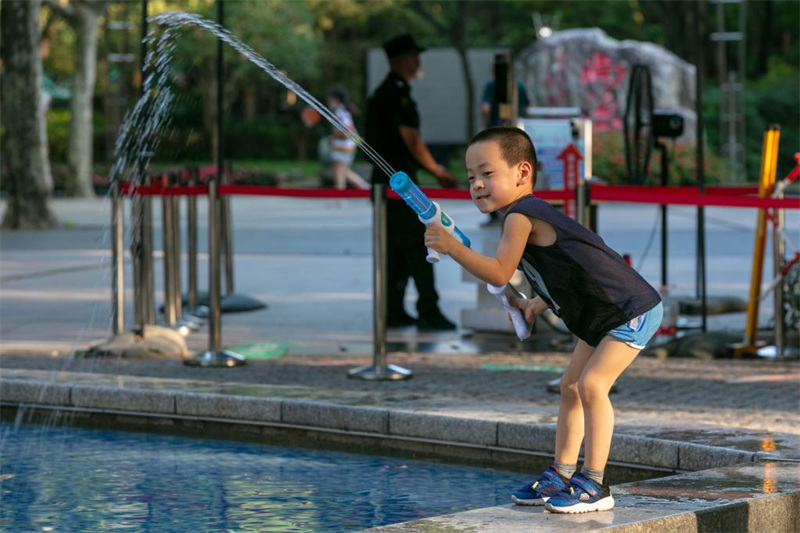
<point x="441" y="218"/>
<point x="504" y="294"/>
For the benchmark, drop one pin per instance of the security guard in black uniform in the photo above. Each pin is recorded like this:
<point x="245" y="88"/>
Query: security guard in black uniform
<point x="392" y="129"/>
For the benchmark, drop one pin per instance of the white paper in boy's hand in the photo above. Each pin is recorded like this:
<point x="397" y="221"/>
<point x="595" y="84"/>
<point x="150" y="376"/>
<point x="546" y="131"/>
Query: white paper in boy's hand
<point x="504" y="295"/>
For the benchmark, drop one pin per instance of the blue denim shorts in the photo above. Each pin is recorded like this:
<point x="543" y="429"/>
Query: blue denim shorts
<point x="637" y="332"/>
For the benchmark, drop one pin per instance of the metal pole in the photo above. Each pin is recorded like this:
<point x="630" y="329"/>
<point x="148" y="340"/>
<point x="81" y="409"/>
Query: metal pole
<point x="214" y="317"/>
<point x="147" y="281"/>
<point x="664" y="233"/>
<point x="191" y="244"/>
<point x="170" y="315"/>
<point x="227" y="232"/>
<point x="580" y="201"/>
<point x="118" y="259"/>
<point x="214" y="357"/>
<point x="138" y="261"/>
<point x="778" y="264"/>
<point x="379" y="371"/>
<point x="227" y="238"/>
<point x="701" y="177"/>
<point x="177" y="294"/>
<point x="148" y="292"/>
<point x="379" y="287"/>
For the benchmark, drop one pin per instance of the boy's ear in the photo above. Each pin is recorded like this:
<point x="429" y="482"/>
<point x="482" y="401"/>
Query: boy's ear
<point x="525" y="176"/>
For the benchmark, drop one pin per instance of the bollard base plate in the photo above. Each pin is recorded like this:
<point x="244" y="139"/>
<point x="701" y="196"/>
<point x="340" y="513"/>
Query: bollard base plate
<point x="216" y="359"/>
<point x="376" y="373"/>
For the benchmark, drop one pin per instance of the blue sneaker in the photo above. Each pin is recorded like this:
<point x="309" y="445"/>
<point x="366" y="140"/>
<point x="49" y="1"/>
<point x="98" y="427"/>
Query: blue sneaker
<point x="582" y="496"/>
<point x="537" y="493"/>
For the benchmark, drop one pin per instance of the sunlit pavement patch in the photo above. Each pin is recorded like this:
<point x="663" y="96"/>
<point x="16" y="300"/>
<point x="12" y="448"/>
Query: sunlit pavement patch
<point x="765" y="378"/>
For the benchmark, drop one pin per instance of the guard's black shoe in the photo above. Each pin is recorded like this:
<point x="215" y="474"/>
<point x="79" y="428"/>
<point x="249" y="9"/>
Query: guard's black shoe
<point x="434" y="322"/>
<point x="400" y="320"/>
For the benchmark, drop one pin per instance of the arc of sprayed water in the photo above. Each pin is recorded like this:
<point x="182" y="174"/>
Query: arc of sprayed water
<point x="176" y="19"/>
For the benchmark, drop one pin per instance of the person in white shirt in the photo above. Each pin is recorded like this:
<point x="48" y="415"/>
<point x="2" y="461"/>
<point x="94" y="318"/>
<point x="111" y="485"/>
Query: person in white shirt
<point x="343" y="148"/>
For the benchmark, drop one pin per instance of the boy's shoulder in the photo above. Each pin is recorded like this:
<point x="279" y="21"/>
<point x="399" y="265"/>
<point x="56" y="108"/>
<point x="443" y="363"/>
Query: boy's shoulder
<point x="527" y="202"/>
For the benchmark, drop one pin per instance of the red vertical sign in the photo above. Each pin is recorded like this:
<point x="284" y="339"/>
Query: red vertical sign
<point x="571" y="157"/>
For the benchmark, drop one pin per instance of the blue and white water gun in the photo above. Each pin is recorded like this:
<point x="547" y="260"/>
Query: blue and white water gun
<point x="429" y="212"/>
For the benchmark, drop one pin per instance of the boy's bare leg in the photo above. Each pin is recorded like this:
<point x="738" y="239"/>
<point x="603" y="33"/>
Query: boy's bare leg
<point x="611" y="358"/>
<point x="569" y="430"/>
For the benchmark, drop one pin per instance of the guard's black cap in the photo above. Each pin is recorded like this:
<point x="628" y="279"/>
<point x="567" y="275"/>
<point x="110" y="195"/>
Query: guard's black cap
<point x="402" y="44"/>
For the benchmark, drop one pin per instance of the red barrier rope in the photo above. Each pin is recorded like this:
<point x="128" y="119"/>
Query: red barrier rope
<point x="716" y="196"/>
<point x="158" y="190"/>
<point x="258" y="190"/>
<point x="666" y="196"/>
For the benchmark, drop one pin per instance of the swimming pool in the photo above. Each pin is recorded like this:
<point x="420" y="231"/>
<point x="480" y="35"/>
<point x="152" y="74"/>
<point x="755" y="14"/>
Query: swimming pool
<point x="75" y="479"/>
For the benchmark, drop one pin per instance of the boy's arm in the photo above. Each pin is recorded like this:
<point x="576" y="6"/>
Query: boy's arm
<point x="493" y="270"/>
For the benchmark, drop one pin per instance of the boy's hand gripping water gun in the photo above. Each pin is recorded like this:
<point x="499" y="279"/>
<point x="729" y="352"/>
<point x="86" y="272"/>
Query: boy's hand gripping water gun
<point x="504" y="294"/>
<point x="429" y="212"/>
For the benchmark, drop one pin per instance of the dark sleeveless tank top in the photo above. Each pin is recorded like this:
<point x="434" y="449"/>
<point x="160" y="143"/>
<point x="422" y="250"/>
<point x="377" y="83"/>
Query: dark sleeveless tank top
<point x="586" y="283"/>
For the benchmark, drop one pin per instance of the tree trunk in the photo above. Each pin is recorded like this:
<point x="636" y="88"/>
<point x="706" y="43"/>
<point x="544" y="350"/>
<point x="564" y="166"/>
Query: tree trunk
<point x="25" y="153"/>
<point x="80" y="155"/>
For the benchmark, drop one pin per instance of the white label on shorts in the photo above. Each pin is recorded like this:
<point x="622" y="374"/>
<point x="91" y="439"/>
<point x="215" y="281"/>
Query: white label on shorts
<point x="636" y="323"/>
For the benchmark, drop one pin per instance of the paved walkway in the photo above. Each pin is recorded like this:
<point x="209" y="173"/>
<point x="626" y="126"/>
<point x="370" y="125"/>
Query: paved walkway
<point x="309" y="261"/>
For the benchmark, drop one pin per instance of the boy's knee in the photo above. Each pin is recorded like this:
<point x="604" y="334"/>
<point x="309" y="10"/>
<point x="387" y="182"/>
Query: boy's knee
<point x="569" y="389"/>
<point x="591" y="390"/>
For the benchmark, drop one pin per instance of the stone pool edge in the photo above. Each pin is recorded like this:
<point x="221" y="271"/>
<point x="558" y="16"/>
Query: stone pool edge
<point x="361" y="421"/>
<point x="438" y="434"/>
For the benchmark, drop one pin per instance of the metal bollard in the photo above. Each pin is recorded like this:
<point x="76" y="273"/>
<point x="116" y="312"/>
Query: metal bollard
<point x="137" y="260"/>
<point x="148" y="281"/>
<point x="214" y="357"/>
<point x="379" y="370"/>
<point x="118" y="259"/>
<point x="170" y="314"/>
<point x="227" y="238"/>
<point x="191" y="251"/>
<point x="177" y="294"/>
<point x="778" y="264"/>
<point x="581" y="194"/>
<point x="186" y="322"/>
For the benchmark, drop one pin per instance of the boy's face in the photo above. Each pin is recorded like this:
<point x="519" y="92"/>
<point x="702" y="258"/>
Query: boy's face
<point x="493" y="184"/>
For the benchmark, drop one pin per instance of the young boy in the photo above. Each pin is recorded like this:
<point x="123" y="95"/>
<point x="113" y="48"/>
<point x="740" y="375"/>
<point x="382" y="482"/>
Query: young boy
<point x="610" y="308"/>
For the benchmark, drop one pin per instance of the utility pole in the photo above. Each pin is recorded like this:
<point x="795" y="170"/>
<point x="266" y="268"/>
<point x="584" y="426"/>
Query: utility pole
<point x="731" y="78"/>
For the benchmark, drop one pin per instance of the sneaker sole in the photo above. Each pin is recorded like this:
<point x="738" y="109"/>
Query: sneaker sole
<point x="533" y="503"/>
<point x="606" y="504"/>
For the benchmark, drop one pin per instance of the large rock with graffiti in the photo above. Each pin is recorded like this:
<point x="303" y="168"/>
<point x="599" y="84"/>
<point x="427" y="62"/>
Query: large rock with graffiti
<point x="586" y="68"/>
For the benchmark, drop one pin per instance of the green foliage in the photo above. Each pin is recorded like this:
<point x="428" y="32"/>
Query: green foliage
<point x="269" y="138"/>
<point x="323" y="43"/>
<point x="773" y="99"/>
<point x="608" y="162"/>
<point x="58" y="133"/>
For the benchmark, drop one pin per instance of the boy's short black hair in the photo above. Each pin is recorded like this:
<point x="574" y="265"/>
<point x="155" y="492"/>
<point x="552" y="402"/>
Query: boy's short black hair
<point x="515" y="146"/>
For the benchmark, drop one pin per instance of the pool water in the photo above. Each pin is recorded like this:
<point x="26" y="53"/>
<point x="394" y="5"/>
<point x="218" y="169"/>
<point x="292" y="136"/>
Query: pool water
<point x="73" y="479"/>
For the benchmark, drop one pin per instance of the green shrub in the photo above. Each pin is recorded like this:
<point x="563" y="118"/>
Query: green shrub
<point x="608" y="162"/>
<point x="773" y="99"/>
<point x="58" y="134"/>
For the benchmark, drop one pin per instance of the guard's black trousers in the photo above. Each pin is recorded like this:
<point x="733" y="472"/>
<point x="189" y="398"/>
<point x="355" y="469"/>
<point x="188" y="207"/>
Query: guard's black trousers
<point x="405" y="257"/>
